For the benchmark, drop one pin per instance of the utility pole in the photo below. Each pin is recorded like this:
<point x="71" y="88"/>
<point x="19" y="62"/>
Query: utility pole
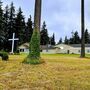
<point x="82" y="30"/>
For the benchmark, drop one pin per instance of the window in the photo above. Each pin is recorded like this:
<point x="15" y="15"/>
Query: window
<point x="88" y="51"/>
<point x="79" y="51"/>
<point x="21" y="50"/>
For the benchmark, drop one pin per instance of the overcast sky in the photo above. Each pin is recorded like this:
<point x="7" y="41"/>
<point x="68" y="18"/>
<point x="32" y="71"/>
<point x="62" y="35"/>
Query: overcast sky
<point x="61" y="16"/>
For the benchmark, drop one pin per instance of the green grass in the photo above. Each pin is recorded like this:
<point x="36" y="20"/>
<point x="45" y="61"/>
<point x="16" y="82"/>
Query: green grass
<point x="59" y="72"/>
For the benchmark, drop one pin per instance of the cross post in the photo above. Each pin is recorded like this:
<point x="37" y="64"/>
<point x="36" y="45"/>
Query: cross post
<point x="13" y="40"/>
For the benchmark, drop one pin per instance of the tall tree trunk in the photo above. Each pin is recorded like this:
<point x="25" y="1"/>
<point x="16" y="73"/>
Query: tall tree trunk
<point x="37" y="15"/>
<point x="34" y="51"/>
<point x="82" y="30"/>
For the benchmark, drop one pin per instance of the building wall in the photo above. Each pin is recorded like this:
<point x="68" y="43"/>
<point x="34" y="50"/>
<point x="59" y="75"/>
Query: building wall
<point x="67" y="51"/>
<point x="62" y="48"/>
<point x="26" y="50"/>
<point x="49" y="51"/>
<point x="74" y="51"/>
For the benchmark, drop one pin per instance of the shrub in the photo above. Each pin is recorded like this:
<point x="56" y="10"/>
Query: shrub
<point x="4" y="56"/>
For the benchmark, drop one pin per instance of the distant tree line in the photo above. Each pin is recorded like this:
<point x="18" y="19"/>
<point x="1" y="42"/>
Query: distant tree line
<point x="75" y="38"/>
<point x="14" y="22"/>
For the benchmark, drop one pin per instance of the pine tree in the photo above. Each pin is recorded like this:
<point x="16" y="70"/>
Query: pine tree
<point x="11" y="20"/>
<point x="87" y="37"/>
<point x="20" y="27"/>
<point x="76" y="38"/>
<point x="2" y="37"/>
<point x="29" y="29"/>
<point x="71" y="40"/>
<point x="66" y="41"/>
<point x="60" y="41"/>
<point x="44" y="35"/>
<point x="6" y="29"/>
<point x="53" y="40"/>
<point x="11" y="24"/>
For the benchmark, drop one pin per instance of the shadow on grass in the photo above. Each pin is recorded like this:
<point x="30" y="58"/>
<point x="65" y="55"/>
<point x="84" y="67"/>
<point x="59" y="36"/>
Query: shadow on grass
<point x="86" y="57"/>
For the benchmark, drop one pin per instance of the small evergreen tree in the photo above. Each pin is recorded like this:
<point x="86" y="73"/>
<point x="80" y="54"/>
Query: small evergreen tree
<point x="29" y="29"/>
<point x="66" y="41"/>
<point x="11" y="20"/>
<point x="6" y="29"/>
<point x="44" y="35"/>
<point x="60" y="41"/>
<point x="20" y="27"/>
<point x="53" y="40"/>
<point x="2" y="37"/>
<point x="11" y="24"/>
<point x="71" y="40"/>
<point x="76" y="38"/>
<point x="87" y="37"/>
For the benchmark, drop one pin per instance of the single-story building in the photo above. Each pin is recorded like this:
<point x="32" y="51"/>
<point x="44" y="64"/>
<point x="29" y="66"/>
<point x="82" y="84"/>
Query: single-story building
<point x="60" y="48"/>
<point x="24" y="48"/>
<point x="72" y="48"/>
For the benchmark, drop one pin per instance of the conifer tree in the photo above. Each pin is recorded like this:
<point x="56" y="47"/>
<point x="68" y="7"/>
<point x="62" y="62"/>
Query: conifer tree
<point x="76" y="38"/>
<point x="87" y="37"/>
<point x="11" y="20"/>
<point x="66" y="41"/>
<point x="2" y="37"/>
<point x="6" y="29"/>
<point x="53" y="40"/>
<point x="29" y="29"/>
<point x="20" y="27"/>
<point x="60" y="41"/>
<point x="44" y="35"/>
<point x="11" y="24"/>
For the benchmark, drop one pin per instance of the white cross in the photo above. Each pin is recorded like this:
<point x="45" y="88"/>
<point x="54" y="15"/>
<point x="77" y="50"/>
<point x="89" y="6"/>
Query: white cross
<point x="13" y="39"/>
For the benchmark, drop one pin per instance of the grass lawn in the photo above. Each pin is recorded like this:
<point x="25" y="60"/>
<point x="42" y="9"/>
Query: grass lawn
<point x="59" y="72"/>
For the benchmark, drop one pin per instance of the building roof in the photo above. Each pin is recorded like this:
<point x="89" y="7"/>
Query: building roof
<point x="79" y="45"/>
<point x="70" y="46"/>
<point x="47" y="47"/>
<point x="43" y="47"/>
<point x="63" y="46"/>
<point x="26" y="45"/>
